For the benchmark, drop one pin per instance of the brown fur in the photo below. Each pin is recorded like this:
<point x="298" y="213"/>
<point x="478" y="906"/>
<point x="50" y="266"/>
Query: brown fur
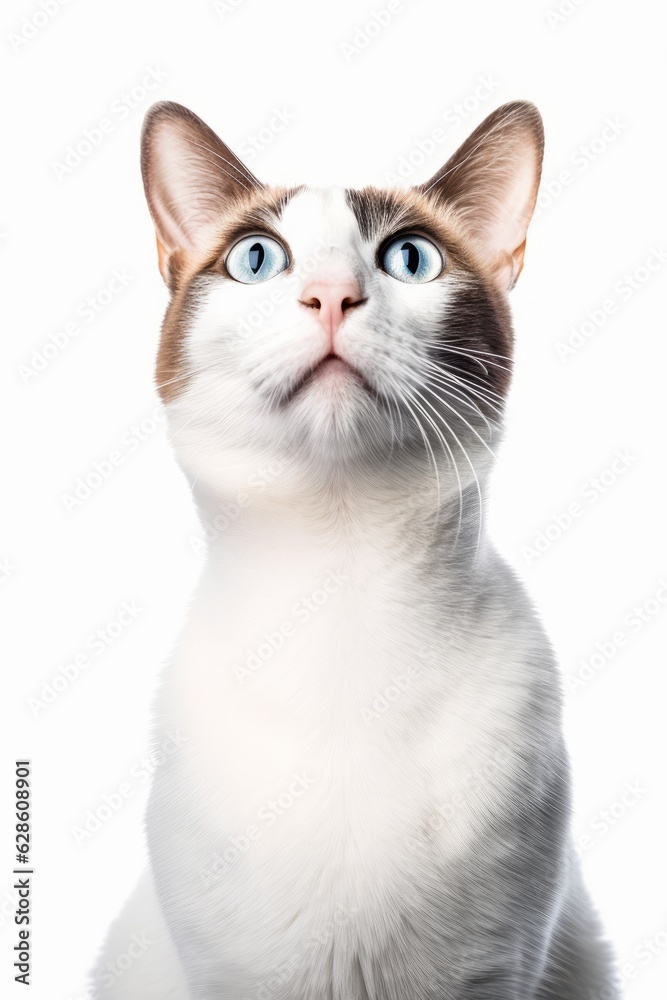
<point x="383" y="214"/>
<point x="256" y="211"/>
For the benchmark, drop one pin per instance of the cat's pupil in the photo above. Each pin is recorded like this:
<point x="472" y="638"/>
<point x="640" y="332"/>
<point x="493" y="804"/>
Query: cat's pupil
<point x="410" y="255"/>
<point x="256" y="257"/>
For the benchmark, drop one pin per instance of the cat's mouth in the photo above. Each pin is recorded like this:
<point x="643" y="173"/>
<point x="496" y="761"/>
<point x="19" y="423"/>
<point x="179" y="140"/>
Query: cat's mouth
<point x="332" y="370"/>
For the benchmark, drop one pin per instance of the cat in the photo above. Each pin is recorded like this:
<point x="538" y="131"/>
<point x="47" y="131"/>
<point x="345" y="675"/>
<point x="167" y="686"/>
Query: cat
<point x="371" y="797"/>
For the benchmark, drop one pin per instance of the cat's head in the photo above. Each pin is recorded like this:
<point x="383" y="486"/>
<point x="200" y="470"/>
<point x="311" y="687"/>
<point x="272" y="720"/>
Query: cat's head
<point x="337" y="328"/>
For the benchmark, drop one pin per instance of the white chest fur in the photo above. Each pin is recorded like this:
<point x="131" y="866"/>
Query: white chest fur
<point x="344" y="745"/>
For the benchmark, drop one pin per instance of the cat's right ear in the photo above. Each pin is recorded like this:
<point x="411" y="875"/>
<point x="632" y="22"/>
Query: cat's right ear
<point x="191" y="179"/>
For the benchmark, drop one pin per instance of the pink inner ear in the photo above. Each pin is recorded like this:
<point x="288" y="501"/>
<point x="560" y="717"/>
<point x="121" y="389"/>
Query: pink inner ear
<point x="515" y="203"/>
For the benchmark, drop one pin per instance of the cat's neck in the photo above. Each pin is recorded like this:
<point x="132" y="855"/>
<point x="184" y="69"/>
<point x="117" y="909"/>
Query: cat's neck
<point x="376" y="529"/>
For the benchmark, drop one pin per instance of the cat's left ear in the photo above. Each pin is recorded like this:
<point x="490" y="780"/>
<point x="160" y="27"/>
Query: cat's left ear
<point x="191" y="179"/>
<point x="491" y="185"/>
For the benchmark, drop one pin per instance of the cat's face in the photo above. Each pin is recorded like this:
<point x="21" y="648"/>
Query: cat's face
<point x="337" y="327"/>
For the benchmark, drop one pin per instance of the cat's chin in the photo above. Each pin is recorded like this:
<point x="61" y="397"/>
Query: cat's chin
<point x="337" y="424"/>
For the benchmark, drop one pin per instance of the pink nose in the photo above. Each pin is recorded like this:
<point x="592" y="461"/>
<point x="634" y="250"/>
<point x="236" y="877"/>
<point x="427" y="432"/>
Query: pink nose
<point x="332" y="301"/>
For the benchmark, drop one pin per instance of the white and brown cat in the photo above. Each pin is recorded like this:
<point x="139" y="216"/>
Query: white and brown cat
<point x="371" y="799"/>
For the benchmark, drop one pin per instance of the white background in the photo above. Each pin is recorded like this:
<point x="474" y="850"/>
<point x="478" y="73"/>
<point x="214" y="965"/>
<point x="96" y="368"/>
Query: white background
<point x="354" y="114"/>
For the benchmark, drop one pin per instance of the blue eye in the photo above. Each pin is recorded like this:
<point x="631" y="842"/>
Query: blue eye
<point x="412" y="259"/>
<point x="256" y="258"/>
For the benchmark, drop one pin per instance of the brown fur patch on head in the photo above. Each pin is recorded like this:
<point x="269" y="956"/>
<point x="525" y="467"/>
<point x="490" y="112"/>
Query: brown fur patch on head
<point x="256" y="211"/>
<point x="478" y="319"/>
<point x="477" y="207"/>
<point x="382" y="214"/>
